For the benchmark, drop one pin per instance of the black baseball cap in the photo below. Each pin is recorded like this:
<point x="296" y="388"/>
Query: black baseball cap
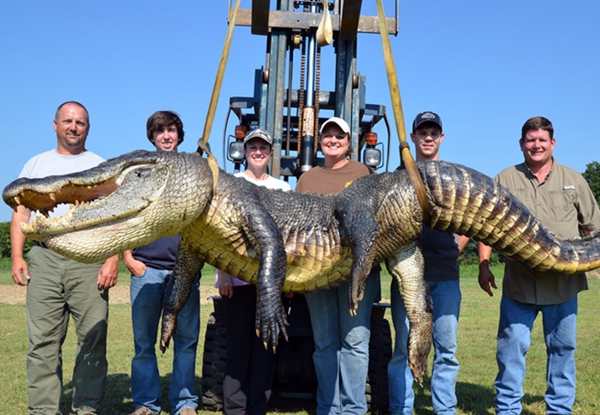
<point x="424" y="117"/>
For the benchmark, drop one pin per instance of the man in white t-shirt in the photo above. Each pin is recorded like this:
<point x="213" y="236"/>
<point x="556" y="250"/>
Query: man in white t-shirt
<point x="58" y="287"/>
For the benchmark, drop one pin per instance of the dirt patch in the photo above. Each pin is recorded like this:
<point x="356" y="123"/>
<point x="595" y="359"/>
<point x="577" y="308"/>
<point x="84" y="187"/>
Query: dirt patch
<point x="12" y="294"/>
<point x="15" y="294"/>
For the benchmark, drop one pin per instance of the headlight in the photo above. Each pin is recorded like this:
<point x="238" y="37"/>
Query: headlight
<point x="372" y="157"/>
<point x="236" y="151"/>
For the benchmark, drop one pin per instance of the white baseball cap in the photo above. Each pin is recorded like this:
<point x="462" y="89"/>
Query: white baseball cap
<point x="340" y="122"/>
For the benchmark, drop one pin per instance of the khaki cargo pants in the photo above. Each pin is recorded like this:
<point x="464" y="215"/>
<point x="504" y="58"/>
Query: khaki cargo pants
<point x="59" y="288"/>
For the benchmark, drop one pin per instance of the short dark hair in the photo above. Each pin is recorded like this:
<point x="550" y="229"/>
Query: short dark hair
<point x="537" y="123"/>
<point x="71" y="103"/>
<point x="161" y="119"/>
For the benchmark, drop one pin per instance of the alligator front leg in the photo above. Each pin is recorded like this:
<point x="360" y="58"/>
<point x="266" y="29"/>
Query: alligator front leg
<point x="266" y="238"/>
<point x="407" y="268"/>
<point x="359" y="225"/>
<point x="187" y="267"/>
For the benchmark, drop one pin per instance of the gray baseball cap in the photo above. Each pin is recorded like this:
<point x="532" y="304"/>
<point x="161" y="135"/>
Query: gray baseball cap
<point x="258" y="133"/>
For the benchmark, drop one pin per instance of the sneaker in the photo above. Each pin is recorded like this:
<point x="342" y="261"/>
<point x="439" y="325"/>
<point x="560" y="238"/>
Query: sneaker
<point x="188" y="411"/>
<point x="142" y="410"/>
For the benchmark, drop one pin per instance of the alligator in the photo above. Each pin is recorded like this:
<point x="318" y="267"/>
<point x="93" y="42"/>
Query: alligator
<point x="287" y="242"/>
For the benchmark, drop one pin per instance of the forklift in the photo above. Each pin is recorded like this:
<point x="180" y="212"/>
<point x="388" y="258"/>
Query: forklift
<point x="289" y="102"/>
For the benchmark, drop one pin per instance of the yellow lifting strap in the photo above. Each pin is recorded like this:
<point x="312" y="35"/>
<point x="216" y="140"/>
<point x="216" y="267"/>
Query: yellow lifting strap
<point x="325" y="29"/>
<point x="203" y="141"/>
<point x="406" y="157"/>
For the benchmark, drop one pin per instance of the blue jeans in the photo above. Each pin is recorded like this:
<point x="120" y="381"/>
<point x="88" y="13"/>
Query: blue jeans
<point x="341" y="356"/>
<point x="446" y="297"/>
<point x="514" y="338"/>
<point x="147" y="292"/>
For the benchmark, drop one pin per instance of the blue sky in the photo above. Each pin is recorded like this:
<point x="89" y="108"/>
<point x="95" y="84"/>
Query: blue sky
<point x="484" y="66"/>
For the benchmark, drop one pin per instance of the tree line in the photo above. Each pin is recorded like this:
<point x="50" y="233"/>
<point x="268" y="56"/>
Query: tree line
<point x="469" y="255"/>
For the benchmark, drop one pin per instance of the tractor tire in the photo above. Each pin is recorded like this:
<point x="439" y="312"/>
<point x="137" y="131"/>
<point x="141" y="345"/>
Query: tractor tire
<point x="295" y="375"/>
<point x="213" y="362"/>
<point x="380" y="353"/>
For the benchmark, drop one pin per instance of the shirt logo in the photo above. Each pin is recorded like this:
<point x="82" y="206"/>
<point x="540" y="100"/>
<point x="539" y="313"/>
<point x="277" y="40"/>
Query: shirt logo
<point x="569" y="187"/>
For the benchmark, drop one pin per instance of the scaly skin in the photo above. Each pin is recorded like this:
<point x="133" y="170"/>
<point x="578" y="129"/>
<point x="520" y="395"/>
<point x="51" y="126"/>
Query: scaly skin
<point x="287" y="241"/>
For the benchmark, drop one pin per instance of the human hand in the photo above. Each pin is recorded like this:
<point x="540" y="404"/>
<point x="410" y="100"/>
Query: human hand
<point x="108" y="274"/>
<point x="137" y="268"/>
<point x="225" y="285"/>
<point x="226" y="290"/>
<point x="19" y="270"/>
<point x="486" y="278"/>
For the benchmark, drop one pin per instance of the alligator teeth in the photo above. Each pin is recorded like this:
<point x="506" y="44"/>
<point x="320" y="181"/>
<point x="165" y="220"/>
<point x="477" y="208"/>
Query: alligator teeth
<point x="17" y="200"/>
<point x="52" y="197"/>
<point x="40" y="214"/>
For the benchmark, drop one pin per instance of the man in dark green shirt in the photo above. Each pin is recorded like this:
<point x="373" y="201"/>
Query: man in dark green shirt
<point x="562" y="200"/>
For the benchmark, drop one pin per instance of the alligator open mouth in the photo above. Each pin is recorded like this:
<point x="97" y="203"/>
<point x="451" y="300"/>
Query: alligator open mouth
<point x="44" y="202"/>
<point x="115" y="189"/>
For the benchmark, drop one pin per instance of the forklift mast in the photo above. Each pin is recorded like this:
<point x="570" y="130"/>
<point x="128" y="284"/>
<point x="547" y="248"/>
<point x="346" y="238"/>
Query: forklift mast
<point x="292" y="106"/>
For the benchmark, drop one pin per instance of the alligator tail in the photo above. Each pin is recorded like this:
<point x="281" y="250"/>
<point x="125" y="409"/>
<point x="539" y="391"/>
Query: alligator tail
<point x="464" y="201"/>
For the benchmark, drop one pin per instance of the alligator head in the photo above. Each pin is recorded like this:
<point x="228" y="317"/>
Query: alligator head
<point x="122" y="203"/>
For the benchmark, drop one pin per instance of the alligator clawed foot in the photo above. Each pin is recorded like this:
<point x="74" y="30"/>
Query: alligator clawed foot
<point x="169" y="325"/>
<point x="164" y="345"/>
<point x="417" y="373"/>
<point x="353" y="308"/>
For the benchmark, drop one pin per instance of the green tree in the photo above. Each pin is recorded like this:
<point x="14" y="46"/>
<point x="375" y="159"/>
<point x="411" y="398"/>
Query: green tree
<point x="5" y="241"/>
<point x="592" y="175"/>
<point x="470" y="255"/>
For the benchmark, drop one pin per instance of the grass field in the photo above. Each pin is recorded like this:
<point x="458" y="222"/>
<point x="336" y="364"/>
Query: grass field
<point x="477" y="333"/>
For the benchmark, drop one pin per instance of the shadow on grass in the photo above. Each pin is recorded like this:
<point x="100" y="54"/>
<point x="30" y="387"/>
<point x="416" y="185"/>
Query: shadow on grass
<point x="475" y="399"/>
<point x="117" y="400"/>
<point x="472" y="399"/>
<point x="293" y="405"/>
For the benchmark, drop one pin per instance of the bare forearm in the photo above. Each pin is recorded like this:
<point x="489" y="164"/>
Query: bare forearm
<point x="17" y="237"/>
<point x="485" y="252"/>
